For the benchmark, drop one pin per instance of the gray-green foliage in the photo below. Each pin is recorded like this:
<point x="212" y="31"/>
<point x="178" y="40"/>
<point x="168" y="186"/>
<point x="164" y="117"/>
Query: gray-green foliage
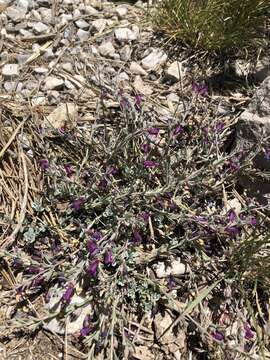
<point x="214" y="24"/>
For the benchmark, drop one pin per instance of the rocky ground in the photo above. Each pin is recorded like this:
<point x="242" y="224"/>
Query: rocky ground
<point x="58" y="61"/>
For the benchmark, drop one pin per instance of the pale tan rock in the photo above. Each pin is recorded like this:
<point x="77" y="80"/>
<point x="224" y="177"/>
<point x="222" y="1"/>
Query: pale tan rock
<point x="63" y="116"/>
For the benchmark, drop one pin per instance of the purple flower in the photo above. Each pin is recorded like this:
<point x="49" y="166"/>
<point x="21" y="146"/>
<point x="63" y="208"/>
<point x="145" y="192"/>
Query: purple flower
<point x="138" y="102"/>
<point x="178" y="130"/>
<point x="233" y="230"/>
<point x="232" y="216"/>
<point x="62" y="130"/>
<point x="137" y="238"/>
<point x="68" y="169"/>
<point x="171" y="282"/>
<point x="33" y="270"/>
<point x="37" y="282"/>
<point x="85" y="331"/>
<point x="44" y="164"/>
<point x="149" y="164"/>
<point x="253" y="221"/>
<point x="267" y="154"/>
<point x="234" y="166"/>
<point x="112" y="171"/>
<point x="92" y="247"/>
<point x="108" y="257"/>
<point x="217" y="335"/>
<point x="145" y="216"/>
<point x="66" y="298"/>
<point x="219" y="126"/>
<point x="96" y="235"/>
<point x="93" y="268"/>
<point x="77" y="203"/>
<point x="124" y="103"/>
<point x="146" y="148"/>
<point x="249" y="334"/>
<point x="153" y="131"/>
<point x="200" y="89"/>
<point x="103" y="184"/>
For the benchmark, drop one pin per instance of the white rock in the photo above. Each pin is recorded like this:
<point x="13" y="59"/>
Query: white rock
<point x="121" y="11"/>
<point x="123" y="76"/>
<point x="107" y="49"/>
<point x="46" y="14"/>
<point x="40" y="28"/>
<point x="125" y="34"/>
<point x="174" y="71"/>
<point x="174" y="268"/>
<point x="63" y="116"/>
<point x="154" y="60"/>
<point x="89" y="10"/>
<point x="41" y="70"/>
<point x="10" y="70"/>
<point x="25" y="33"/>
<point x="16" y="13"/>
<point x="99" y="25"/>
<point x="140" y="87"/>
<point x="67" y="67"/>
<point x="37" y="100"/>
<point x="125" y="53"/>
<point x="136" y="69"/>
<point x="82" y="35"/>
<point x="82" y="24"/>
<point x="172" y="97"/>
<point x="11" y="86"/>
<point x="75" y="322"/>
<point x="233" y="204"/>
<point x="53" y="83"/>
<point x="76" y="14"/>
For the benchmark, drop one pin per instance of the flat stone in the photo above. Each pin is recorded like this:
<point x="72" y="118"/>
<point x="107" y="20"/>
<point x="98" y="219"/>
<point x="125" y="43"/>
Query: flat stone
<point x="89" y="10"/>
<point x="63" y="116"/>
<point x="125" y="34"/>
<point x="136" y="69"/>
<point x="67" y="67"/>
<point x="11" y="86"/>
<point x="41" y="70"/>
<point x="125" y="53"/>
<point x="82" y="24"/>
<point x="174" y="268"/>
<point x="82" y="35"/>
<point x="46" y="14"/>
<point x="99" y="25"/>
<point x="10" y="70"/>
<point x="16" y="13"/>
<point x="154" y="60"/>
<point x="174" y="71"/>
<point x="106" y="49"/>
<point x="121" y="11"/>
<point x="53" y="83"/>
<point x="141" y="87"/>
<point x="40" y="28"/>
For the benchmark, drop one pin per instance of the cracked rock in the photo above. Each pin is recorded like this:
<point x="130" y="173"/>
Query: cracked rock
<point x="125" y="34"/>
<point x="155" y="59"/>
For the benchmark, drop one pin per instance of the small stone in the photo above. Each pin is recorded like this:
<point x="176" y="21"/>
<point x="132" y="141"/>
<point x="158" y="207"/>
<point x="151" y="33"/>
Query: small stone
<point x="67" y="67"/>
<point x="174" y="71"/>
<point x="40" y="70"/>
<point x="37" y="100"/>
<point x="16" y="13"/>
<point x="173" y="98"/>
<point x="140" y="87"/>
<point x="99" y="25"/>
<point x="233" y="204"/>
<point x="76" y="14"/>
<point x="10" y="70"/>
<point x="21" y="58"/>
<point x="89" y="10"/>
<point x="82" y="35"/>
<point x="53" y="83"/>
<point x="121" y="11"/>
<point x="154" y="60"/>
<point x="49" y="54"/>
<point x="46" y="14"/>
<point x="125" y="34"/>
<point x="123" y="76"/>
<point x="136" y="69"/>
<point x="107" y="49"/>
<point x="11" y="86"/>
<point x="82" y="24"/>
<point x="174" y="268"/>
<point x="25" y="33"/>
<point x="125" y="53"/>
<point x="63" y="116"/>
<point x="40" y="28"/>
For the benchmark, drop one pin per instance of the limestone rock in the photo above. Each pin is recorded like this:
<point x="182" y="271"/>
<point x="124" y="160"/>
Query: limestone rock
<point x="63" y="116"/>
<point x="107" y="49"/>
<point x="10" y="70"/>
<point x="125" y="34"/>
<point x="136" y="69"/>
<point x="53" y="83"/>
<point x="174" y="71"/>
<point x="155" y="59"/>
<point x="174" y="268"/>
<point x="142" y="88"/>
